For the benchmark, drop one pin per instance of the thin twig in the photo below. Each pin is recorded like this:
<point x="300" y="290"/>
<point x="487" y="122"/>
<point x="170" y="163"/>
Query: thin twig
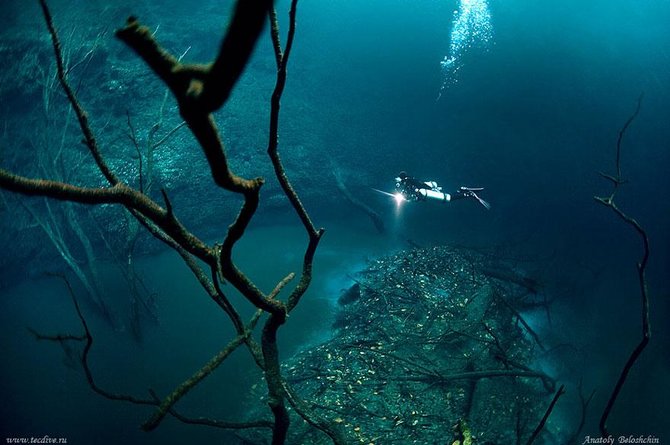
<point x="585" y="404"/>
<point x="539" y="427"/>
<point x="82" y="117"/>
<point x="167" y="136"/>
<point x="154" y="399"/>
<point x="618" y="180"/>
<point x="132" y="135"/>
<point x="87" y="349"/>
<point x="180" y="391"/>
<point x="56" y="337"/>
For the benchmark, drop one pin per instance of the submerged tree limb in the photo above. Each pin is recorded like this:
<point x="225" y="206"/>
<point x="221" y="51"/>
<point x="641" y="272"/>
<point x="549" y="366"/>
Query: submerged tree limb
<point x="275" y="383"/>
<point x="444" y="378"/>
<point x="641" y="269"/>
<point x="644" y="300"/>
<point x="241" y="36"/>
<point x="189" y="84"/>
<point x="242" y="337"/>
<point x="584" y="404"/>
<point x="167" y="403"/>
<point x="82" y="116"/>
<point x="523" y="321"/>
<point x="227" y="425"/>
<point x="196" y="88"/>
<point x="84" y="357"/>
<point x="539" y="427"/>
<point x="89" y="280"/>
<point x="617" y="179"/>
<point x="181" y="390"/>
<point x="200" y="90"/>
<point x="56" y="337"/>
<point x="336" y="432"/>
<point x="275" y="102"/>
<point x="273" y="323"/>
<point x="119" y="193"/>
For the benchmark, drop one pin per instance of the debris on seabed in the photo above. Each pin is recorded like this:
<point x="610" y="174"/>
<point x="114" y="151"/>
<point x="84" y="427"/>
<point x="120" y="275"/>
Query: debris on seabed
<point x="412" y="344"/>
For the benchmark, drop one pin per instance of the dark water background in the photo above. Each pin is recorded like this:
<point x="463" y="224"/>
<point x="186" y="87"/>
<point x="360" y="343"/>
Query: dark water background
<point x="533" y="119"/>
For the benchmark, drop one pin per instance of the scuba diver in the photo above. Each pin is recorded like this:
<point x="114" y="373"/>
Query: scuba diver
<point x="411" y="189"/>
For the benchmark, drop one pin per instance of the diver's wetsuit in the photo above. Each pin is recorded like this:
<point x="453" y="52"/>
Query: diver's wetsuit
<point x="410" y="183"/>
<point x="414" y="190"/>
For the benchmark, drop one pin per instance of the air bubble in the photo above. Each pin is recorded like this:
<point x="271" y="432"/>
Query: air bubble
<point x="471" y="28"/>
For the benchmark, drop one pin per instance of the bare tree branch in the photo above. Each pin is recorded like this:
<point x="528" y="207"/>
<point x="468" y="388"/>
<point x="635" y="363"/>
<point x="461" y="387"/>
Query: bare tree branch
<point x="617" y="179"/>
<point x="539" y="427"/>
<point x="187" y="83"/>
<point x="167" y="404"/>
<point x="200" y="90"/>
<point x="119" y="193"/>
<point x="82" y="117"/>
<point x="641" y="269"/>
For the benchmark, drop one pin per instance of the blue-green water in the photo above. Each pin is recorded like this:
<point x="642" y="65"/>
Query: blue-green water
<point x="529" y="107"/>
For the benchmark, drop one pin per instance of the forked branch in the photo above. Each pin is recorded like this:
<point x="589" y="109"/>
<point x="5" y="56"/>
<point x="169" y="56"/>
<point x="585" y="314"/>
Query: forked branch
<point x="167" y="406"/>
<point x="641" y="269"/>
<point x="200" y="90"/>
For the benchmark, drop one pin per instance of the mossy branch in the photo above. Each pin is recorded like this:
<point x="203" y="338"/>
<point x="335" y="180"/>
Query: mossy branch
<point x="189" y="83"/>
<point x="276" y="391"/>
<point x="241" y="36"/>
<point x="275" y="104"/>
<point x="197" y="89"/>
<point x="200" y="90"/>
<point x="119" y="193"/>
